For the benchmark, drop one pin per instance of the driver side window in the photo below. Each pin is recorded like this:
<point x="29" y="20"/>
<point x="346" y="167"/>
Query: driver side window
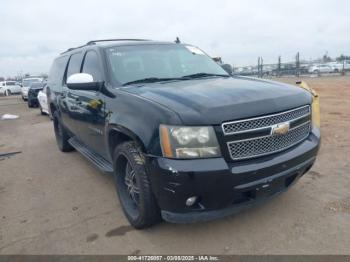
<point x="92" y="66"/>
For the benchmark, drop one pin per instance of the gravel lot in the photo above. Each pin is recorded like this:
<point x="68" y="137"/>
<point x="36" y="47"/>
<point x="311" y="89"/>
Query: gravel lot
<point x="58" y="203"/>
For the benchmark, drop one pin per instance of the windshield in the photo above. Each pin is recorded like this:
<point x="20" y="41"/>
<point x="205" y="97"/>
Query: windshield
<point x="10" y="83"/>
<point x="131" y="63"/>
<point x="28" y="82"/>
<point x="37" y="85"/>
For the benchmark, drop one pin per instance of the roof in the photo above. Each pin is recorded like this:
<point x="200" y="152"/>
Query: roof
<point x="120" y="42"/>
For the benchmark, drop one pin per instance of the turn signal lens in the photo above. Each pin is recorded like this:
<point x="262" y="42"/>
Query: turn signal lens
<point x="165" y="141"/>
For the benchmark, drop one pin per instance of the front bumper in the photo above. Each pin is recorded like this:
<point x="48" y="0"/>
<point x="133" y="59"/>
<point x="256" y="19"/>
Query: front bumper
<point x="24" y="93"/>
<point x="224" y="188"/>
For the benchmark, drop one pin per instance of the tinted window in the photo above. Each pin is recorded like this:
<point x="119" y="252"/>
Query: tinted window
<point x="37" y="85"/>
<point x="92" y="66"/>
<point x="28" y="82"/>
<point x="74" y="64"/>
<point x="57" y="70"/>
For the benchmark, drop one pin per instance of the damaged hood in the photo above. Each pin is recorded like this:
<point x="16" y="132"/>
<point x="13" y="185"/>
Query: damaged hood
<point x="211" y="101"/>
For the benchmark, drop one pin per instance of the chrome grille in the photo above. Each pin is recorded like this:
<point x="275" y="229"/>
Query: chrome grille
<point x="268" y="144"/>
<point x="265" y="121"/>
<point x="256" y="137"/>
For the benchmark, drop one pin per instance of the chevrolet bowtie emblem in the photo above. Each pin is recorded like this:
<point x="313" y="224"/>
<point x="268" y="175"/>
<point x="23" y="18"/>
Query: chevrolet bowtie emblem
<point x="280" y="129"/>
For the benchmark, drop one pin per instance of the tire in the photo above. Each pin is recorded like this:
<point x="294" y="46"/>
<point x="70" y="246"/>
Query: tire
<point x="61" y="134"/>
<point x="7" y="92"/>
<point x="133" y="186"/>
<point x="29" y="104"/>
<point x="41" y="110"/>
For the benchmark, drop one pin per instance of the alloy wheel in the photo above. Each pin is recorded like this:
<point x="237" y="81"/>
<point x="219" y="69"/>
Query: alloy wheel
<point x="132" y="186"/>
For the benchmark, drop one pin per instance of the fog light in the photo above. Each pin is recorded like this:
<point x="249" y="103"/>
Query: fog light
<point x="191" y="201"/>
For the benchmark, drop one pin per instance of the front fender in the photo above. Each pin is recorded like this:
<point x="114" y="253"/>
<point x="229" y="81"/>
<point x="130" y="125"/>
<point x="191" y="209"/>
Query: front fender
<point x="139" y="119"/>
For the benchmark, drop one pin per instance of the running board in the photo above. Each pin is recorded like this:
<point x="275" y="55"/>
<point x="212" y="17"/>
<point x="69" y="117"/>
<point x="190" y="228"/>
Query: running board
<point x="102" y="164"/>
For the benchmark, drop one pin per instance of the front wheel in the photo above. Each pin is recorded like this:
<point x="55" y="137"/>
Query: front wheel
<point x="133" y="186"/>
<point x="7" y="93"/>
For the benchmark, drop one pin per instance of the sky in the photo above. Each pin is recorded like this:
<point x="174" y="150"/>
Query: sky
<point x="33" y="33"/>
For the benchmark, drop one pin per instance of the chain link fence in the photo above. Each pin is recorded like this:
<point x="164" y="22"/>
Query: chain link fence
<point x="296" y="68"/>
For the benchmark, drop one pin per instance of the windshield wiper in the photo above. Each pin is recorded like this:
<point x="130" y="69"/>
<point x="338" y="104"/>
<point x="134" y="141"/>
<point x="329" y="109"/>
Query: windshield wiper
<point x="150" y="80"/>
<point x="159" y="79"/>
<point x="200" y="75"/>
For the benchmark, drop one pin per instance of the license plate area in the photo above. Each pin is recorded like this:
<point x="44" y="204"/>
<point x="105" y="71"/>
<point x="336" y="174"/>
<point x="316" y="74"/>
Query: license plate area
<point x="263" y="190"/>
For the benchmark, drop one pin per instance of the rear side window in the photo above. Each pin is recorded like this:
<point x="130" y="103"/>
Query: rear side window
<point x="57" y="70"/>
<point x="74" y="64"/>
<point x="92" y="66"/>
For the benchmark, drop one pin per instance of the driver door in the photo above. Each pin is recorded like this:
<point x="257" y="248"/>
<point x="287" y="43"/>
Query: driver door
<point x="91" y="106"/>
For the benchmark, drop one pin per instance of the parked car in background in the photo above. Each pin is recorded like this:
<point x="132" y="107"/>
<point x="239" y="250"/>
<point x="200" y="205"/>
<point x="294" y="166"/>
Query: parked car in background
<point x="33" y="94"/>
<point x="9" y="87"/>
<point x="26" y="83"/>
<point x="340" y="66"/>
<point x="42" y="98"/>
<point x="316" y="69"/>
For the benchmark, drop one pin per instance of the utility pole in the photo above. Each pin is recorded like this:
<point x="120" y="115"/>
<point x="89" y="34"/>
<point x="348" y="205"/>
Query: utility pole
<point x="279" y="67"/>
<point x="260" y="66"/>
<point x="297" y="65"/>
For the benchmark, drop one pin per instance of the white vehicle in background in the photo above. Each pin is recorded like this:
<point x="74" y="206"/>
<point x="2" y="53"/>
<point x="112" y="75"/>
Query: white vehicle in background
<point x="323" y="68"/>
<point x="26" y="83"/>
<point x="42" y="98"/>
<point x="9" y="87"/>
<point x="339" y="66"/>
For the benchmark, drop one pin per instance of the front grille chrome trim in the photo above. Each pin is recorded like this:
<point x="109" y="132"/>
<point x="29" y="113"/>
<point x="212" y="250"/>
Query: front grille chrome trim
<point x="250" y="146"/>
<point x="259" y="137"/>
<point x="262" y="117"/>
<point x="270" y="152"/>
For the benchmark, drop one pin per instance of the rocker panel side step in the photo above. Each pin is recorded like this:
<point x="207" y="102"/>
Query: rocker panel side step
<point x="102" y="164"/>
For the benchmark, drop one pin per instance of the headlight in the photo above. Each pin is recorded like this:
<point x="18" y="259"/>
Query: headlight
<point x="189" y="142"/>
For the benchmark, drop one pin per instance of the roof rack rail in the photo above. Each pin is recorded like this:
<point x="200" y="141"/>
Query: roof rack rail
<point x="111" y="40"/>
<point x="72" y="48"/>
<point x="92" y="42"/>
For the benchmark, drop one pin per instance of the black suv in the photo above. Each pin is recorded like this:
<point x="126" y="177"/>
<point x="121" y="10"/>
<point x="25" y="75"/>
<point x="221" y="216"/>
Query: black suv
<point x="33" y="94"/>
<point x="184" y="139"/>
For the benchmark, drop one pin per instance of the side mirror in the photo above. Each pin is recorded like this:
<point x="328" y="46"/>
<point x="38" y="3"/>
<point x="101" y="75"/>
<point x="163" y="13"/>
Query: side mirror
<point x="82" y="81"/>
<point x="228" y="68"/>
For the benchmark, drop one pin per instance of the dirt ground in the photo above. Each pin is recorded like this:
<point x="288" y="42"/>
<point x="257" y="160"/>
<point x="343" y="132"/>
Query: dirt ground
<point x="58" y="203"/>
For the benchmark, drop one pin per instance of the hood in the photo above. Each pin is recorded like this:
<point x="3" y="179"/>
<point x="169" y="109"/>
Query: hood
<point x="216" y="100"/>
<point x="36" y="88"/>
